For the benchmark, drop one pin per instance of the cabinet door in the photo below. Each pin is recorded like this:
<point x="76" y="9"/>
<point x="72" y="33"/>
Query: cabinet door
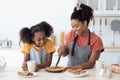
<point x="93" y="4"/>
<point x="118" y="4"/>
<point x="82" y="1"/>
<point x="111" y="4"/>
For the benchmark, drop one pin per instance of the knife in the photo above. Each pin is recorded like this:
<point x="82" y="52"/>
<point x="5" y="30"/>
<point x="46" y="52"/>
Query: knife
<point x="58" y="61"/>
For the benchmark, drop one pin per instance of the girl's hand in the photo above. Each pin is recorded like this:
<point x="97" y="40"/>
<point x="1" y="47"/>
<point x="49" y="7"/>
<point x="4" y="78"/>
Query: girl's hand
<point x="37" y="68"/>
<point x="24" y="66"/>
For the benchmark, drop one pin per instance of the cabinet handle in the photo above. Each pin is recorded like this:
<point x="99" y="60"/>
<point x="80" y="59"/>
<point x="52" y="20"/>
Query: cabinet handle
<point x="105" y="21"/>
<point x="93" y="21"/>
<point x="100" y="21"/>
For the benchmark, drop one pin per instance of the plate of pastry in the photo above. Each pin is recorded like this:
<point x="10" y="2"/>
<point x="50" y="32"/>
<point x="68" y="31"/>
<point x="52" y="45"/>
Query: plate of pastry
<point x="76" y="72"/>
<point x="26" y="74"/>
<point x="54" y="69"/>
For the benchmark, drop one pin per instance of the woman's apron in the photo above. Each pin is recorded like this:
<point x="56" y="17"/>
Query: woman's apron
<point x="38" y="56"/>
<point x="78" y="54"/>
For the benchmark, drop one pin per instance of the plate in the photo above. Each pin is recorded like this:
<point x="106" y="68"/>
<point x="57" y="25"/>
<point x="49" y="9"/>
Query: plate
<point x="30" y="76"/>
<point x="76" y="75"/>
<point x="54" y="69"/>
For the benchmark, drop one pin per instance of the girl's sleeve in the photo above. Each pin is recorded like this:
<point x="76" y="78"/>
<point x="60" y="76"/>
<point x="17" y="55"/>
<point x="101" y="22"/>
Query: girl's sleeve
<point x="50" y="47"/>
<point x="26" y="48"/>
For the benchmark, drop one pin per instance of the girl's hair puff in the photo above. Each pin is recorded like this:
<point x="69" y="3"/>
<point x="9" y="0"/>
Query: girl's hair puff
<point x="47" y="28"/>
<point x="25" y="35"/>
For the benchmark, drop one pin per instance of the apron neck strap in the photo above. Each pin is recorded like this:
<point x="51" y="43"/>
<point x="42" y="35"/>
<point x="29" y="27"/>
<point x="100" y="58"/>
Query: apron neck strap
<point x="88" y="37"/>
<point x="74" y="42"/>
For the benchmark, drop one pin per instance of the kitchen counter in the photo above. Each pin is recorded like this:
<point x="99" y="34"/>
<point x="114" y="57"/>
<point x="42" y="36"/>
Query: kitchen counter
<point x="112" y="49"/>
<point x="10" y="73"/>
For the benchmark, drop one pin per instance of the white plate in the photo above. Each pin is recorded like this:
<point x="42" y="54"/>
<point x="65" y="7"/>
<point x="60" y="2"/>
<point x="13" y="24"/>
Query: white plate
<point x="76" y="75"/>
<point x="34" y="75"/>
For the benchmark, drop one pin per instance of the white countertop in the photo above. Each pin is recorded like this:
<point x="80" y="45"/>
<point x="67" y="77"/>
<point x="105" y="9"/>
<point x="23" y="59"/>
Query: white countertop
<point x="10" y="73"/>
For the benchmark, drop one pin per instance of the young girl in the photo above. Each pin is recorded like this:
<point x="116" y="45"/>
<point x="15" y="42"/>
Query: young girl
<point x="82" y="47"/>
<point x="36" y="45"/>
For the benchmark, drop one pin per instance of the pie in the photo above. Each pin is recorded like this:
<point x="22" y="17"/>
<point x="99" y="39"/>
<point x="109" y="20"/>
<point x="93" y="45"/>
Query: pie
<point x="54" y="69"/>
<point x="76" y="71"/>
<point x="25" y="73"/>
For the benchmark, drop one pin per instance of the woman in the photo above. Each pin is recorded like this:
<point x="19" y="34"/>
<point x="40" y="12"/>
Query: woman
<point x="82" y="47"/>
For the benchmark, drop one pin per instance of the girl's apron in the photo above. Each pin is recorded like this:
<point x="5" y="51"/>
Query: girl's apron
<point x="38" y="56"/>
<point x="78" y="54"/>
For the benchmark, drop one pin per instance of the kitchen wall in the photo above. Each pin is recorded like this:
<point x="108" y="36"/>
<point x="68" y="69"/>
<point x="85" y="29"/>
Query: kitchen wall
<point x="16" y="14"/>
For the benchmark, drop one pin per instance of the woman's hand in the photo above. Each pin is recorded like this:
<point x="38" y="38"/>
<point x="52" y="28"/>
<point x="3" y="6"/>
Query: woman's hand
<point x="24" y="66"/>
<point x="70" y="67"/>
<point x="62" y="50"/>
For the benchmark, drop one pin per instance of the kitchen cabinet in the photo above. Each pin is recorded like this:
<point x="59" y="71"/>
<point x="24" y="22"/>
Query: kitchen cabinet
<point x="103" y="7"/>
